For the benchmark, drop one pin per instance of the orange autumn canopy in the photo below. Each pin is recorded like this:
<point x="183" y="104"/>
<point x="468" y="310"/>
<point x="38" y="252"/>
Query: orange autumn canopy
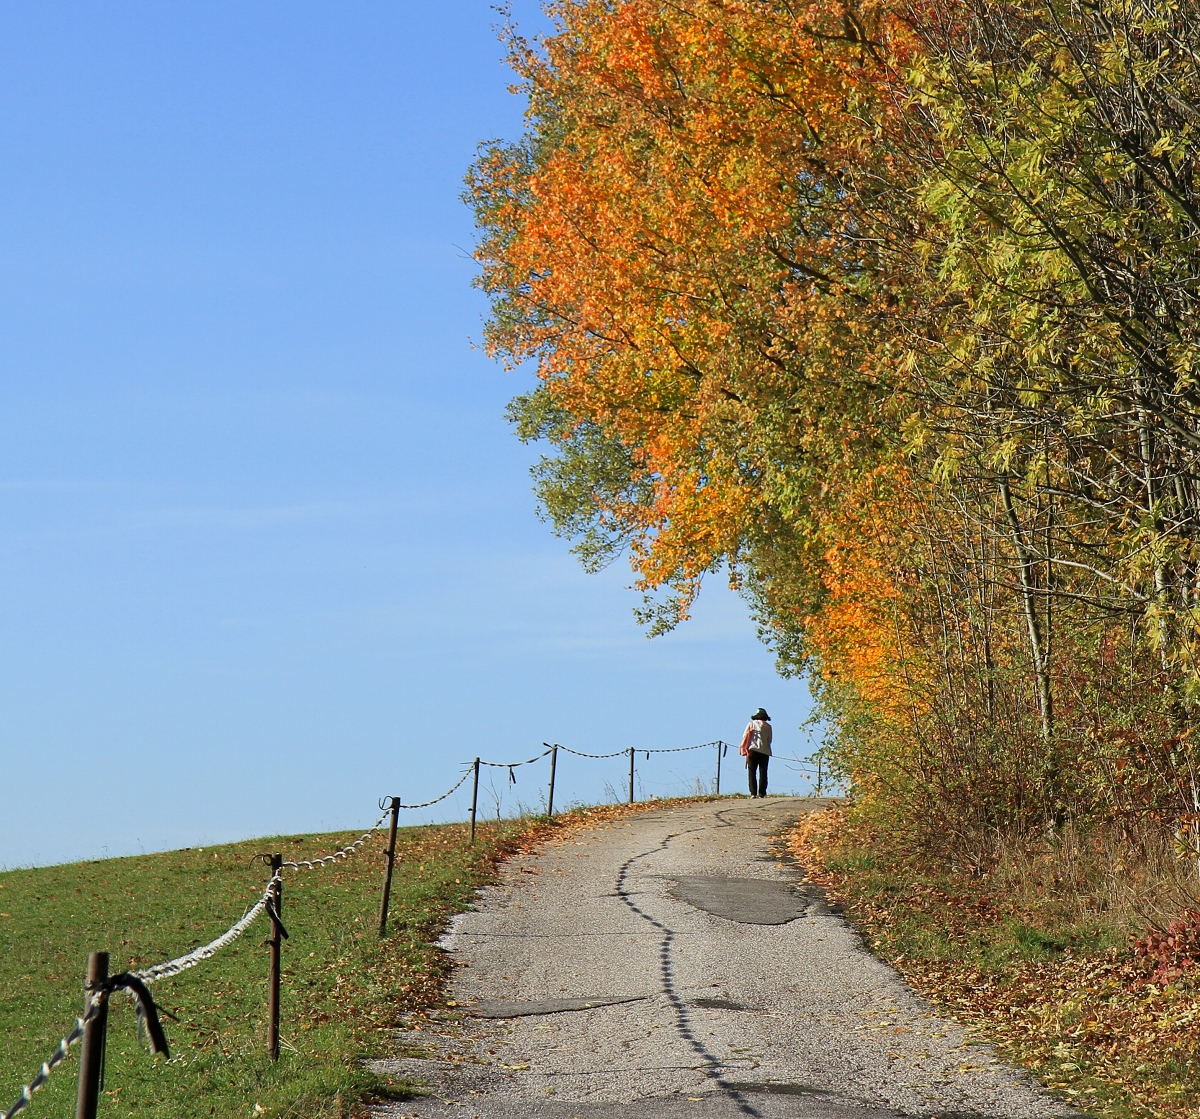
<point x="670" y="245"/>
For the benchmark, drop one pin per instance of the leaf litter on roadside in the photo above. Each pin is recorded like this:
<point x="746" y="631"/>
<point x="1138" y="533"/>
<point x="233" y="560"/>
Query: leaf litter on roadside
<point x="1089" y="1023"/>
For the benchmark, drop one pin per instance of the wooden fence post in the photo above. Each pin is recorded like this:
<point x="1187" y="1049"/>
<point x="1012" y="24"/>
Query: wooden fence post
<point x="630" y="774"/>
<point x="91" y="1049"/>
<point x="391" y="860"/>
<point x="475" y="799"/>
<point x="275" y="942"/>
<point x="719" y="745"/>
<point x="553" y="766"/>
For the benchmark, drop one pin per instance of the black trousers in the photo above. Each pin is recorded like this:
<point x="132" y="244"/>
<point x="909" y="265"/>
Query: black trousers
<point x="756" y="766"/>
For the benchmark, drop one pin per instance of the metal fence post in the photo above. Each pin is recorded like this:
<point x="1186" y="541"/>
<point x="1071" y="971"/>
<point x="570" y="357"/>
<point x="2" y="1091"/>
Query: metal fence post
<point x="91" y="1049"/>
<point x="474" y="799"/>
<point x="391" y="860"/>
<point x="553" y="766"/>
<point x="719" y="745"/>
<point x="630" y="774"/>
<point x="276" y="943"/>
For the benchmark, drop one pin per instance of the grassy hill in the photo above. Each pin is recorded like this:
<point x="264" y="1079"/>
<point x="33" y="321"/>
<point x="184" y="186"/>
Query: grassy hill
<point x="343" y="988"/>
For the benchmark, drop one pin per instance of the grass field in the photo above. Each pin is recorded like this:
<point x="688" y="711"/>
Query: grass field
<point x="343" y="989"/>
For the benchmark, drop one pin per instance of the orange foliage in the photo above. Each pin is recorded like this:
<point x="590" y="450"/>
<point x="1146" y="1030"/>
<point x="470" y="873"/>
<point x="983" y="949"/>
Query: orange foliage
<point x="649" y="254"/>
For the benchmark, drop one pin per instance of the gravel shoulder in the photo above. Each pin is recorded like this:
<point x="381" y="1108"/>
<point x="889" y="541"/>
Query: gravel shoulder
<point x="669" y="964"/>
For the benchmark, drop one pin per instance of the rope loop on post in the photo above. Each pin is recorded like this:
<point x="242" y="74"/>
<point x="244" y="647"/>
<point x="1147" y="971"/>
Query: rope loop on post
<point x="147" y="1014"/>
<point x="276" y="920"/>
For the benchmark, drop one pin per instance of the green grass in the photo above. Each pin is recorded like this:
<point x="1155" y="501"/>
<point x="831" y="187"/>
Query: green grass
<point x="343" y="989"/>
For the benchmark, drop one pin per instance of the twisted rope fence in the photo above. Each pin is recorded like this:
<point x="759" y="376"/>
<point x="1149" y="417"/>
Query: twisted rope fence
<point x="89" y="1028"/>
<point x="437" y="800"/>
<point x="344" y="853"/>
<point x="513" y="765"/>
<point x="581" y="754"/>
<point x="53" y="1061"/>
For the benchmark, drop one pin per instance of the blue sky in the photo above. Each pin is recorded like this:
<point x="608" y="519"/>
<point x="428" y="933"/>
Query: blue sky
<point x="268" y="549"/>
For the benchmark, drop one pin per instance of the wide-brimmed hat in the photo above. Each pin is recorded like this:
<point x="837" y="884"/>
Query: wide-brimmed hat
<point x="761" y="714"/>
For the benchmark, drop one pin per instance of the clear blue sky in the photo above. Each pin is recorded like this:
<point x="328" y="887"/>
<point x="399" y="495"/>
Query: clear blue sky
<point x="268" y="548"/>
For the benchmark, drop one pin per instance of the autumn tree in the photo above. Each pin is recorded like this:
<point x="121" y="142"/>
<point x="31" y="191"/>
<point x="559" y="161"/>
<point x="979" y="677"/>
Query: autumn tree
<point x="886" y="312"/>
<point x="1060" y="359"/>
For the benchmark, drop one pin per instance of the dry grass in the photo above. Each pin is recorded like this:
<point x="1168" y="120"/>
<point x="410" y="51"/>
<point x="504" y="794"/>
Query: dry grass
<point x="1036" y="954"/>
<point x="1124" y="878"/>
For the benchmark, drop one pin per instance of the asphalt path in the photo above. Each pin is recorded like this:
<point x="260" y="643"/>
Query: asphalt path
<point x="675" y="964"/>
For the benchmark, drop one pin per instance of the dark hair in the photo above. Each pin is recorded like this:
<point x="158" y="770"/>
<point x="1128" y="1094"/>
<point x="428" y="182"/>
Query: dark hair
<point x="761" y="714"/>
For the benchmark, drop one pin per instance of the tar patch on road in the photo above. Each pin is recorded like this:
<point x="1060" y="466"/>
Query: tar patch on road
<point x="719" y="1004"/>
<point x="776" y="1088"/>
<point x="545" y="1006"/>
<point x="750" y="901"/>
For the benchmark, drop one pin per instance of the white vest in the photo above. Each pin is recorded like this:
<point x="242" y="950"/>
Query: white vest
<point x="760" y="736"/>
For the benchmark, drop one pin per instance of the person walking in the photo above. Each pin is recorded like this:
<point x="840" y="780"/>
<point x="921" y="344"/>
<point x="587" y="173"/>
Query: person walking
<point x="756" y="749"/>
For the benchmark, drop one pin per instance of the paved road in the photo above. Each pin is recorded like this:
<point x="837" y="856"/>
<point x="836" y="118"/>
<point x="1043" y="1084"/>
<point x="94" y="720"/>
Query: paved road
<point x="669" y="965"/>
